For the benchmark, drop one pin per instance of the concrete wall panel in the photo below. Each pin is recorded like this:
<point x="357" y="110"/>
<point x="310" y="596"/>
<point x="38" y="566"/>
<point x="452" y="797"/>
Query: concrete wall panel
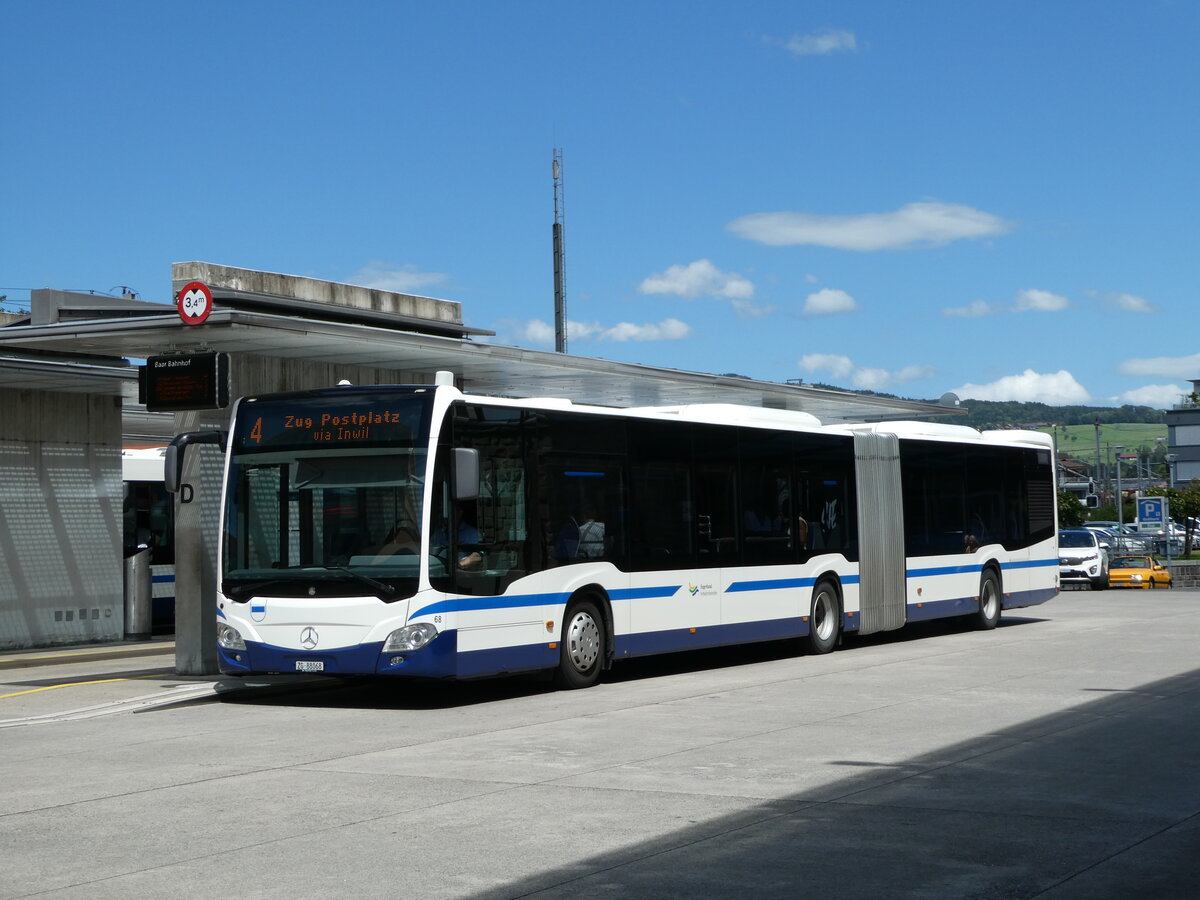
<point x="60" y="520"/>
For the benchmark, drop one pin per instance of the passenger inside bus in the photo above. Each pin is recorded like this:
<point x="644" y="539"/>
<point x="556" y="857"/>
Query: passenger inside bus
<point x="591" y="536"/>
<point x="401" y="539"/>
<point x="470" y="556"/>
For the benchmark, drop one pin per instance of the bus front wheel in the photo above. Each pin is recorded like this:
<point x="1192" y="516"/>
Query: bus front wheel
<point x="989" y="601"/>
<point x="824" y="618"/>
<point x="581" y="650"/>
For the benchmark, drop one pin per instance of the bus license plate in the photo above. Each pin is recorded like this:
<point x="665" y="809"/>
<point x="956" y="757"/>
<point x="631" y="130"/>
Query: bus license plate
<point x="310" y="665"/>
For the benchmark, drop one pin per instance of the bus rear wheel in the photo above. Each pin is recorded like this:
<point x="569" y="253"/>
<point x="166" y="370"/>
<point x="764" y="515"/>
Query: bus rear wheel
<point x="989" y="601"/>
<point x="582" y="648"/>
<point x="825" y="618"/>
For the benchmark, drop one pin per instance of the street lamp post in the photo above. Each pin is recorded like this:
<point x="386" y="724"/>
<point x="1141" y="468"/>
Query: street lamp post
<point x="1120" y="497"/>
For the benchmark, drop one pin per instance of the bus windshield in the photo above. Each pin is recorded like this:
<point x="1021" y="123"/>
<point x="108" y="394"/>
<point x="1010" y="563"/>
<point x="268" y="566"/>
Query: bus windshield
<point x="325" y="497"/>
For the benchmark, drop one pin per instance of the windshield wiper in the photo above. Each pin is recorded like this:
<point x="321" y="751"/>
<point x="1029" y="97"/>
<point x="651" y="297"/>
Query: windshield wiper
<point x="240" y="592"/>
<point x="383" y="590"/>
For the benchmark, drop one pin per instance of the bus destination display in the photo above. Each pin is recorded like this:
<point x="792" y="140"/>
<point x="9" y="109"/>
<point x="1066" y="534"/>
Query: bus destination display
<point x="306" y="423"/>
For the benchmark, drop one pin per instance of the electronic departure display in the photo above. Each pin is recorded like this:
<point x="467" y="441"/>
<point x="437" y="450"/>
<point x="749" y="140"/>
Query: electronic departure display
<point x="341" y="419"/>
<point x="191" y="381"/>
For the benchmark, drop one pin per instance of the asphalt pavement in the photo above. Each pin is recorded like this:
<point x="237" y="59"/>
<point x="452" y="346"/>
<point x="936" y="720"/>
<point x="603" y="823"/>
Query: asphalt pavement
<point x="1054" y="757"/>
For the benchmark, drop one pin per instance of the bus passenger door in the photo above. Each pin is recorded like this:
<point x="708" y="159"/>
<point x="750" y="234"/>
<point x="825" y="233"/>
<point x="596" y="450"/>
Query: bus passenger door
<point x="882" y="585"/>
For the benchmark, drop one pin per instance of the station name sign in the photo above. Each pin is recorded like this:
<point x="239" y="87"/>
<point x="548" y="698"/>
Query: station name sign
<point x="189" y="381"/>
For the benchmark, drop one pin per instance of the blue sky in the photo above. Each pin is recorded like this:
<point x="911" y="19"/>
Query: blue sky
<point x="992" y="198"/>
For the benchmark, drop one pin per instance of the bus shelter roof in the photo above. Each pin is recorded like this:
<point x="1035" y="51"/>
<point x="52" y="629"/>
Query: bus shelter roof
<point x="483" y="368"/>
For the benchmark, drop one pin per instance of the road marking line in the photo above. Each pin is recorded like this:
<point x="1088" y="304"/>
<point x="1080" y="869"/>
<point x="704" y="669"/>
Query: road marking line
<point x="148" y="701"/>
<point x="54" y="687"/>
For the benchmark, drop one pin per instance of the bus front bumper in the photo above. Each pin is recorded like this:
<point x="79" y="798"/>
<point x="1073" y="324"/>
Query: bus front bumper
<point x="437" y="659"/>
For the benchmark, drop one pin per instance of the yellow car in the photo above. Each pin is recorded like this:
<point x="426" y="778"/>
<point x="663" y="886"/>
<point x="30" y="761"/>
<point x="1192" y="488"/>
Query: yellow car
<point x="1137" y="572"/>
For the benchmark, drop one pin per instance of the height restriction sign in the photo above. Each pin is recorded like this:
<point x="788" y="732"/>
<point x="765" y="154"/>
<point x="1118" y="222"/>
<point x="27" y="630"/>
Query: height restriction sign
<point x="194" y="302"/>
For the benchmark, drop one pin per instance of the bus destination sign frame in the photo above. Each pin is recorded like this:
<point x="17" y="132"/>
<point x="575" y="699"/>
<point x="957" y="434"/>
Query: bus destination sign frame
<point x="185" y="382"/>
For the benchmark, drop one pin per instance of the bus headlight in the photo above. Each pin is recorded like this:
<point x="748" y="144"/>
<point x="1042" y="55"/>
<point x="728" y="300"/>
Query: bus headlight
<point x="228" y="638"/>
<point x="410" y="637"/>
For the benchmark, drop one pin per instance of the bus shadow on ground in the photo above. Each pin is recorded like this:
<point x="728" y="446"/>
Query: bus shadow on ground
<point x="1100" y="800"/>
<point x="368" y="692"/>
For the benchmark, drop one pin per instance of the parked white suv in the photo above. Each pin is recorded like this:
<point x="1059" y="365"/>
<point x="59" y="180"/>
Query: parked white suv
<point x="1083" y="556"/>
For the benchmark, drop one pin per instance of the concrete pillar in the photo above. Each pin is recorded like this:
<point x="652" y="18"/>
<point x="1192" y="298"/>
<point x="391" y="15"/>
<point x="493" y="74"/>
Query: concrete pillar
<point x="196" y="532"/>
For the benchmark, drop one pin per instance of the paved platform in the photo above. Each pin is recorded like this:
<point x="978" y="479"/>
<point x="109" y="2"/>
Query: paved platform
<point x="1053" y="757"/>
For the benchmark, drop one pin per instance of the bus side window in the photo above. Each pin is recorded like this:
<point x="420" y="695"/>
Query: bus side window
<point x="490" y="532"/>
<point x="770" y="534"/>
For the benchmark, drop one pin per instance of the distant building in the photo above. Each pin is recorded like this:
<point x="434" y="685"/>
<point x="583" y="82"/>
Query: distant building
<point x="1183" y="437"/>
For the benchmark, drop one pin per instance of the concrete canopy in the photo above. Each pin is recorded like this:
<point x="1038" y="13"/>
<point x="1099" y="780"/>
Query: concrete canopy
<point x="68" y="376"/>
<point x="482" y="368"/>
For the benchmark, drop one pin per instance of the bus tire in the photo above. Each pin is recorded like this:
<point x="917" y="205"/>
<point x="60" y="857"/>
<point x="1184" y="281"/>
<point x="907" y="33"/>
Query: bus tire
<point x="825" y="617"/>
<point x="990" y="602"/>
<point x="581" y="650"/>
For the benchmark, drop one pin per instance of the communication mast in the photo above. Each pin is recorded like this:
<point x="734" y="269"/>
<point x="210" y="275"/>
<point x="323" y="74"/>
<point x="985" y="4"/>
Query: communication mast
<point x="560" y="262"/>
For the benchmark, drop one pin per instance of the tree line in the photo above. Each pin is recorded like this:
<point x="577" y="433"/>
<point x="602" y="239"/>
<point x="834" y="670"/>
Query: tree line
<point x="1012" y="414"/>
<point x="1000" y="414"/>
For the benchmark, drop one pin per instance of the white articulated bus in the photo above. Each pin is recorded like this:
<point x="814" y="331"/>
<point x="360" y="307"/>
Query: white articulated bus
<point x="418" y="531"/>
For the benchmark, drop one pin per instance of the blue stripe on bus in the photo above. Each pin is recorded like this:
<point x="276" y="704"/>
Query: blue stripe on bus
<point x="938" y="609"/>
<point x="648" y="643"/>
<point x="441" y="658"/>
<point x="658" y="592"/>
<point x="1029" y="598"/>
<point x="474" y="604"/>
<point x="1030" y="564"/>
<point x="646" y="593"/>
<point x="973" y="568"/>
<point x="770" y="584"/>
<point x="945" y="570"/>
<point x="161" y="579"/>
<point x="774" y="584"/>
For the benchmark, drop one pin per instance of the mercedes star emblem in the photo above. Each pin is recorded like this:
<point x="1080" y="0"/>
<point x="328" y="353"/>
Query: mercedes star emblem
<point x="309" y="638"/>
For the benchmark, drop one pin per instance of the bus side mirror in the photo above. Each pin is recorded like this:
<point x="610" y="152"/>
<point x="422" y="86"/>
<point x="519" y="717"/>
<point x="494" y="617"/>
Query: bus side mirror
<point x="173" y="459"/>
<point x="172" y="468"/>
<point x="465" y="474"/>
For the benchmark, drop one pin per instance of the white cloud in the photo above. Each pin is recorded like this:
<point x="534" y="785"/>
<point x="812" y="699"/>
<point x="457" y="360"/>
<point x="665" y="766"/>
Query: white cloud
<point x="912" y="373"/>
<point x="927" y="223"/>
<point x="970" y="311"/>
<point x="1159" y="396"/>
<point x="1056" y="388"/>
<point x="698" y="279"/>
<point x="536" y="331"/>
<point x="1040" y="301"/>
<point x="666" y="330"/>
<point x="748" y="309"/>
<point x="867" y="378"/>
<point x="820" y="43"/>
<point x="1126" y="302"/>
<point x="828" y="302"/>
<point x="400" y="279"/>
<point x="1183" y="367"/>
<point x="836" y="365"/>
